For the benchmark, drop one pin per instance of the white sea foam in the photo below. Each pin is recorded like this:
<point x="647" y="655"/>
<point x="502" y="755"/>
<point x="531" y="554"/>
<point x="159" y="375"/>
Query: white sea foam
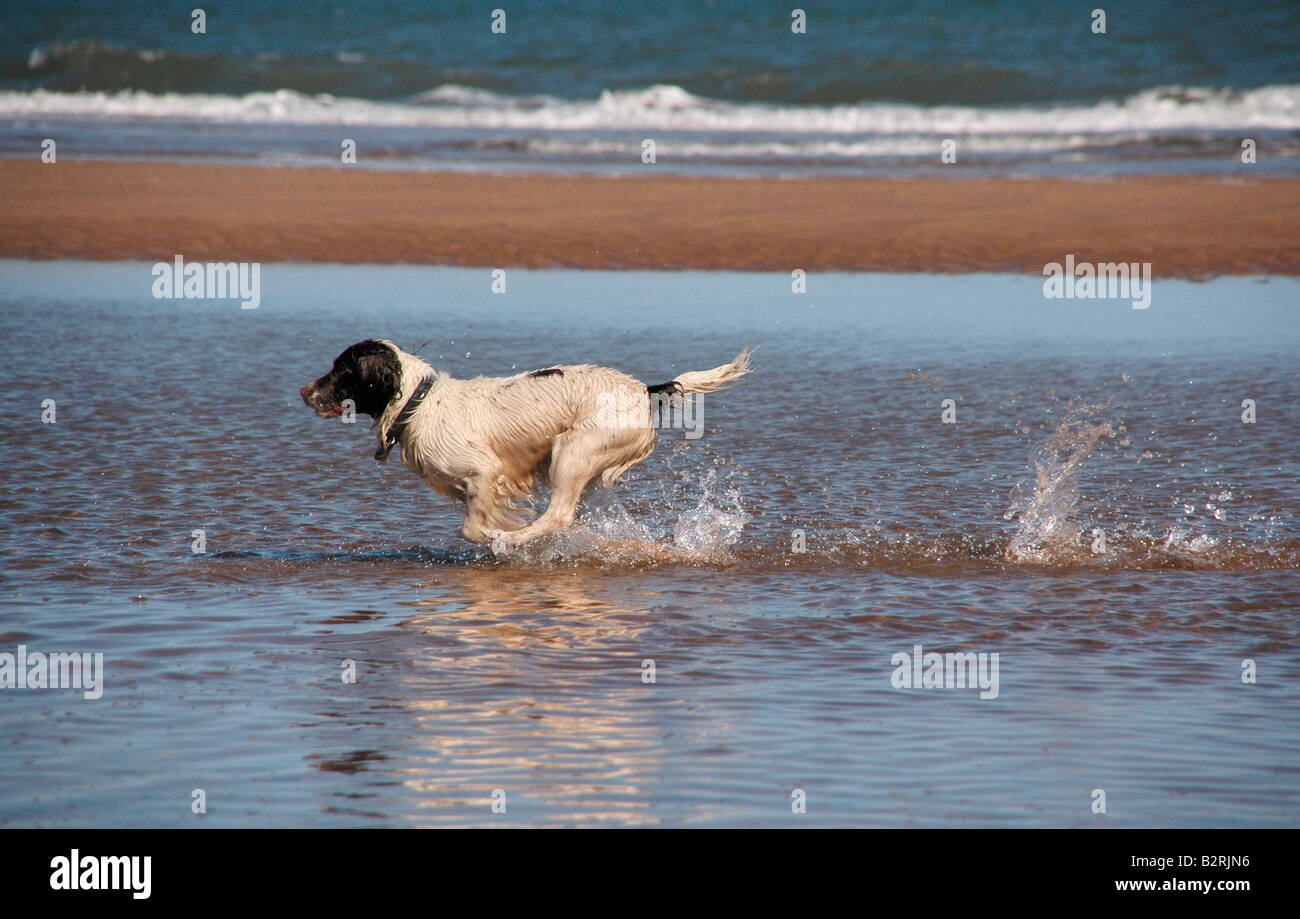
<point x="671" y="108"/>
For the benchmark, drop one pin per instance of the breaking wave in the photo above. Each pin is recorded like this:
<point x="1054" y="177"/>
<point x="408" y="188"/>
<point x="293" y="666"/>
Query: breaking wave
<point x="718" y="129"/>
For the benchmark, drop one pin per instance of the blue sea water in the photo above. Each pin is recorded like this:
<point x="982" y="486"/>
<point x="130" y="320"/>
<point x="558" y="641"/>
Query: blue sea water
<point x="1120" y="670"/>
<point x="1023" y="87"/>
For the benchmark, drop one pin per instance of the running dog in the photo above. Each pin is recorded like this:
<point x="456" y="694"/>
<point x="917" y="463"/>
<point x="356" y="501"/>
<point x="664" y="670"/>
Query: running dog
<point x="488" y="441"/>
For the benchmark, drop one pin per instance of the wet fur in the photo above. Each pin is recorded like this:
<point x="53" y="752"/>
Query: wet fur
<point x="490" y="441"/>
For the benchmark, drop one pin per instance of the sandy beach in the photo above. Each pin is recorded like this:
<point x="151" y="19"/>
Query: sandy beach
<point x="1185" y="227"/>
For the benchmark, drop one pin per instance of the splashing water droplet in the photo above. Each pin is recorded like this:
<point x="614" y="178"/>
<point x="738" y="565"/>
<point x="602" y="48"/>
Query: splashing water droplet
<point x="1045" y="506"/>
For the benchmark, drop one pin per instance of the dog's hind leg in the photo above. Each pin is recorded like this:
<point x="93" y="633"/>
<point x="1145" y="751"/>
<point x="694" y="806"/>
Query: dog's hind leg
<point x="577" y="457"/>
<point x="571" y="470"/>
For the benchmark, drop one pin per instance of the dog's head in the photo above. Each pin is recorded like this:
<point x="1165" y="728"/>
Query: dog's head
<point x="369" y="373"/>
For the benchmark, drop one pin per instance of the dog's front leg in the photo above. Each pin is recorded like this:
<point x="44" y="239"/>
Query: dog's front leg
<point x="480" y="502"/>
<point x="490" y="510"/>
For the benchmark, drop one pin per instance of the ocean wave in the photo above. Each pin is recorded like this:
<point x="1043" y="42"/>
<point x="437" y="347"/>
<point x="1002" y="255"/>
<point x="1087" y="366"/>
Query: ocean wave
<point x="1150" y="112"/>
<point x="44" y="56"/>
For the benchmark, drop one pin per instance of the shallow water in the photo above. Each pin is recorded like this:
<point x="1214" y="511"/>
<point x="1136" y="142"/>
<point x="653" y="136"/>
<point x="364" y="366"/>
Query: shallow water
<point x="1119" y="669"/>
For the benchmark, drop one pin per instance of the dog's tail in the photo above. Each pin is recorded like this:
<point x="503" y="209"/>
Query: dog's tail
<point x="708" y="380"/>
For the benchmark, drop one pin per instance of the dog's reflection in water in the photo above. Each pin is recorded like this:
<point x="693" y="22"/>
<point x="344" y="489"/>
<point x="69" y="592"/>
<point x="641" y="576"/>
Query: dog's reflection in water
<point x="519" y="607"/>
<point x="535" y="686"/>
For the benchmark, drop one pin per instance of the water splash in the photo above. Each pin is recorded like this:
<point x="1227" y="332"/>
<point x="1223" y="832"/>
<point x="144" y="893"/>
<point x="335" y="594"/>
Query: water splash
<point x="715" y="523"/>
<point x="710" y="523"/>
<point x="1045" y="507"/>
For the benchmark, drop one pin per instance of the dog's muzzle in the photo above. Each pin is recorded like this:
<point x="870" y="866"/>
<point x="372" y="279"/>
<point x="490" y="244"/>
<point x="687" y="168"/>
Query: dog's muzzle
<point x="312" y="399"/>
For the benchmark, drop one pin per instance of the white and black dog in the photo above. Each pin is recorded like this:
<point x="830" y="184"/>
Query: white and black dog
<point x="488" y="441"/>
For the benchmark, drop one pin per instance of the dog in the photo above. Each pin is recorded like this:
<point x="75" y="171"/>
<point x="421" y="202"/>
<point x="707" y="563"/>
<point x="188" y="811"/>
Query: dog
<point x="489" y="441"/>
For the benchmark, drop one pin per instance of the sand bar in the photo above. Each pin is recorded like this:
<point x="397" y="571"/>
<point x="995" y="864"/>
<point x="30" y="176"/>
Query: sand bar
<point x="1185" y="227"/>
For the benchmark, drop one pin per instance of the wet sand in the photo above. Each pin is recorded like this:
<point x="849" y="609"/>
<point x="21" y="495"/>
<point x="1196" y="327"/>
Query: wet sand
<point x="1185" y="227"/>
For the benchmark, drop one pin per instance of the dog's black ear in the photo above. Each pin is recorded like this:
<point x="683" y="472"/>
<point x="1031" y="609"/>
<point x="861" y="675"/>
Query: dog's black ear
<point x="381" y="371"/>
<point x="379" y="380"/>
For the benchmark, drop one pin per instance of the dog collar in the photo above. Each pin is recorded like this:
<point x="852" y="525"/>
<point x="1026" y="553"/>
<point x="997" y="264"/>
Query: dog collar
<point x="403" y="417"/>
